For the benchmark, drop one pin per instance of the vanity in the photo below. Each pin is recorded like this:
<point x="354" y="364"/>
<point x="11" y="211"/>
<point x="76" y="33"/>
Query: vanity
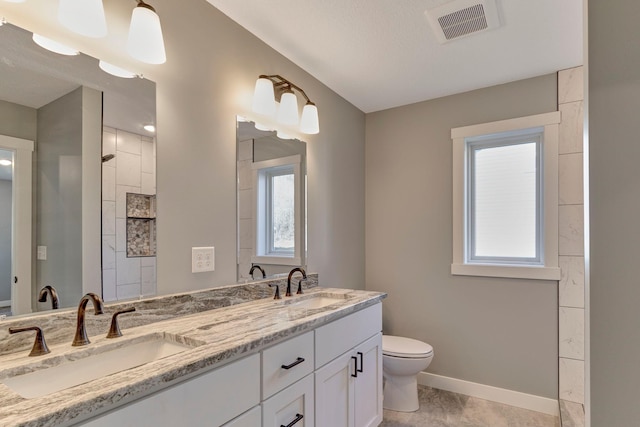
<point x="311" y="359"/>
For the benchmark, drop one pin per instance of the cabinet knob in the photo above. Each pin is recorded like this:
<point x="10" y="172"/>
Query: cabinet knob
<point x="295" y="420"/>
<point x="298" y="361"/>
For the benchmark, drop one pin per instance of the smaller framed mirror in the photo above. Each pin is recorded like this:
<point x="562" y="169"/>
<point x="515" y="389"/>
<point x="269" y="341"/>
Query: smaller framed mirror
<point x="271" y="196"/>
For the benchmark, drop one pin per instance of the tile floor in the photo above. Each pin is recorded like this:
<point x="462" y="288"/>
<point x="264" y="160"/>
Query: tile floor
<point x="439" y="408"/>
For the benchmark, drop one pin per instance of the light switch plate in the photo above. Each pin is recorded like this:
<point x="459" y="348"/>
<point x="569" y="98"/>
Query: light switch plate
<point x="202" y="259"/>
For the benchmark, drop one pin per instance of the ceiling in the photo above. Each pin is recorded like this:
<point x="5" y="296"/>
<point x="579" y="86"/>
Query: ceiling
<point x="380" y="54"/>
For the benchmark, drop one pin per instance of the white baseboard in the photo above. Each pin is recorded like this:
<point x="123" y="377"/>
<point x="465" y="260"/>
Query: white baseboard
<point x="487" y="392"/>
<point x="6" y="303"/>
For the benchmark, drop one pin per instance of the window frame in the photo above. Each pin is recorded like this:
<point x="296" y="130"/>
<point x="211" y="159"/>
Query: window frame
<point x="547" y="267"/>
<point x="263" y="249"/>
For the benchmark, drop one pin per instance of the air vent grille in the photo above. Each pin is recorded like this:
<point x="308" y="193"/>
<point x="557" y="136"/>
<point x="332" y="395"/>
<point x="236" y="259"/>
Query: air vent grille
<point x="458" y="18"/>
<point x="463" y="22"/>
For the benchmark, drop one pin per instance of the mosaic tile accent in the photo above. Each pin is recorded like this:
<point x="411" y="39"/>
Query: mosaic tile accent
<point x="141" y="205"/>
<point x="141" y="237"/>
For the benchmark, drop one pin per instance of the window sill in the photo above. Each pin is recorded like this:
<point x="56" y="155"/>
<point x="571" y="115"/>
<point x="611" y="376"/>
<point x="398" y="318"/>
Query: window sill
<point x="276" y="260"/>
<point x="507" y="271"/>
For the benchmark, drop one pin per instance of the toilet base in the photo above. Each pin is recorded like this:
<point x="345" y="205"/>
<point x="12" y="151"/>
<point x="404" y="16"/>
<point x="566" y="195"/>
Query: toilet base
<point x="401" y="393"/>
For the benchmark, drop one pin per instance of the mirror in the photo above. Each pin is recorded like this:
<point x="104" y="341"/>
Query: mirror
<point x="91" y="192"/>
<point x="271" y="196"/>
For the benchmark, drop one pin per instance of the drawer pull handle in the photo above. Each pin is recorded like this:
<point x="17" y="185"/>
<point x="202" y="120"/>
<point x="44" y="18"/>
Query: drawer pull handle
<point x="355" y="366"/>
<point x="298" y="361"/>
<point x="361" y="364"/>
<point x="292" y="423"/>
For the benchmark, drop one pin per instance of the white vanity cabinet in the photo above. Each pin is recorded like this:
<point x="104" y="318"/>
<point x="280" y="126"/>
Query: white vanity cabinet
<point x="210" y="399"/>
<point x="348" y="389"/>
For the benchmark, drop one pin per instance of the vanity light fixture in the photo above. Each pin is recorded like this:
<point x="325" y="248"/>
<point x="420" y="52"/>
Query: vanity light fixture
<point x="116" y="71"/>
<point x="54" y="46"/>
<point x="84" y="17"/>
<point x="264" y="102"/>
<point x="145" y="42"/>
<point x="149" y="128"/>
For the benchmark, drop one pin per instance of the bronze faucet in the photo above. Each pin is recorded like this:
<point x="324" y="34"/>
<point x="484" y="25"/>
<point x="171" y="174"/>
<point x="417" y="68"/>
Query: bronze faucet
<point x="304" y="276"/>
<point x="42" y="297"/>
<point x="81" y="332"/>
<point x="114" y="330"/>
<point x="277" y="294"/>
<point x="253" y="267"/>
<point x="39" y="345"/>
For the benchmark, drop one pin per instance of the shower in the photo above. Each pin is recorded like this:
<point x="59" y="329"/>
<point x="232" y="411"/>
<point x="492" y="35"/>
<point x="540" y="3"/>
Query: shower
<point x="107" y="157"/>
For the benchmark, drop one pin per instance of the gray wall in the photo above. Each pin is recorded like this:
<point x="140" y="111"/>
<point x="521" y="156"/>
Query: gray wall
<point x="59" y="219"/>
<point x="500" y="332"/>
<point x="5" y="239"/>
<point x="18" y="121"/>
<point x="614" y="103"/>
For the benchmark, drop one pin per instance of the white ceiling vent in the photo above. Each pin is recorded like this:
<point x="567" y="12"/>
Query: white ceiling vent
<point x="460" y="18"/>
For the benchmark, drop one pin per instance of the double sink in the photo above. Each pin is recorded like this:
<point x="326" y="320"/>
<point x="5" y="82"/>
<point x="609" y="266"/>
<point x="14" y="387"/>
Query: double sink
<point x="59" y="373"/>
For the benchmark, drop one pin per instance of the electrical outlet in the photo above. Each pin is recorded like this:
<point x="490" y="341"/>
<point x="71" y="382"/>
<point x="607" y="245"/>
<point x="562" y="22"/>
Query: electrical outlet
<point x="202" y="259"/>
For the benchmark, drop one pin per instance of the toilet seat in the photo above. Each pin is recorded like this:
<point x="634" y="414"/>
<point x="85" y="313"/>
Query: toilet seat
<point x="407" y="348"/>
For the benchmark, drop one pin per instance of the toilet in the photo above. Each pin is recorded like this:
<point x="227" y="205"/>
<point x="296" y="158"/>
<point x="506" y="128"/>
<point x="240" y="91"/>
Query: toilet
<point x="402" y="360"/>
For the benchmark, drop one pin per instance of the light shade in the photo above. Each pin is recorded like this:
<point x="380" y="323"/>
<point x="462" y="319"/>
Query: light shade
<point x="145" y="42"/>
<point x="5" y="162"/>
<point x="54" y="46"/>
<point x="309" y="123"/>
<point x="264" y="101"/>
<point x="288" y="111"/>
<point x="115" y="70"/>
<point x="85" y="17"/>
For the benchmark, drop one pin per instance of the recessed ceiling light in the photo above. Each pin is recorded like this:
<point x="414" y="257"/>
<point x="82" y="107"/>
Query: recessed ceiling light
<point x="5" y="162"/>
<point x="149" y="128"/>
<point x="54" y="46"/>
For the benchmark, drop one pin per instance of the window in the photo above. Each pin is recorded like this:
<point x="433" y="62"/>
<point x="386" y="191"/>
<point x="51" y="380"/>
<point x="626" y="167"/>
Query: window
<point x="505" y="198"/>
<point x="279" y="209"/>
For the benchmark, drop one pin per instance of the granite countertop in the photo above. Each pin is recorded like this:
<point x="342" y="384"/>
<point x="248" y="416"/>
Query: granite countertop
<point x="219" y="336"/>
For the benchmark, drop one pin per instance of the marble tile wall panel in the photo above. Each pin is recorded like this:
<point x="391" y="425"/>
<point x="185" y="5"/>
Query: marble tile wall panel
<point x="121" y="235"/>
<point x="108" y="217"/>
<point x="128" y="291"/>
<point x="128" y="169"/>
<point x="571" y="414"/>
<point x="245" y="150"/>
<point x="108" y="252"/>
<point x="148" y="183"/>
<point x="128" y="142"/>
<point x="570" y="85"/>
<point x="148" y="285"/>
<point x="571" y="333"/>
<point x="148" y="163"/>
<point x="571" y="128"/>
<point x="245" y="210"/>
<point x="571" y="230"/>
<point x="246" y="241"/>
<point x="570" y="179"/>
<point x="109" y="285"/>
<point x="59" y="325"/>
<point x="108" y="141"/>
<point x="571" y="379"/>
<point x="245" y="177"/>
<point x="108" y="182"/>
<point x="571" y="287"/>
<point x="127" y="269"/>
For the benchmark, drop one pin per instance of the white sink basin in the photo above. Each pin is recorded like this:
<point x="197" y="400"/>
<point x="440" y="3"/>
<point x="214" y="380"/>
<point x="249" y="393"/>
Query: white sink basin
<point x="92" y="367"/>
<point x="315" y="301"/>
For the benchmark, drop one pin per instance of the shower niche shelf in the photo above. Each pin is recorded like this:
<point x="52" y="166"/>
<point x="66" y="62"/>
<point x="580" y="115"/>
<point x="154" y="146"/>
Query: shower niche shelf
<point x="141" y="225"/>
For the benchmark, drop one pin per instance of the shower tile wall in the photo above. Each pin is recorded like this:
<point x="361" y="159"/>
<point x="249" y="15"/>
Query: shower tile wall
<point x="571" y="230"/>
<point x="245" y="211"/>
<point x="132" y="170"/>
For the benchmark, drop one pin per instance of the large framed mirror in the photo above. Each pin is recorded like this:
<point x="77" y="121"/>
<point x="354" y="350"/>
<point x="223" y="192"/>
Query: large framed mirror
<point x="80" y="214"/>
<point x="271" y="195"/>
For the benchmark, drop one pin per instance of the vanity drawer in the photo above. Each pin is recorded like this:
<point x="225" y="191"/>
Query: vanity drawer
<point x="343" y="334"/>
<point x="294" y="404"/>
<point x="287" y="362"/>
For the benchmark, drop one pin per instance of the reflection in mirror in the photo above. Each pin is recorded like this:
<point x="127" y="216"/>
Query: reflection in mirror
<point x="89" y="150"/>
<point x="271" y="202"/>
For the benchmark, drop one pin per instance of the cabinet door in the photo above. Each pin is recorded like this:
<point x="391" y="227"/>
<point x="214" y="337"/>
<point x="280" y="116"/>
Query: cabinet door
<point x="250" y="418"/>
<point x="335" y="393"/>
<point x="293" y="406"/>
<point x="368" y="384"/>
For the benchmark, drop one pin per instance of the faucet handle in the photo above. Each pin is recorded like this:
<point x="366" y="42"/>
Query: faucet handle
<point x="299" y="292"/>
<point x="114" y="330"/>
<point x="39" y="346"/>
<point x="277" y="295"/>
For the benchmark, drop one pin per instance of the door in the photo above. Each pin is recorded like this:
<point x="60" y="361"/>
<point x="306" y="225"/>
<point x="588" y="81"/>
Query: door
<point x="20" y="222"/>
<point x="368" y="384"/>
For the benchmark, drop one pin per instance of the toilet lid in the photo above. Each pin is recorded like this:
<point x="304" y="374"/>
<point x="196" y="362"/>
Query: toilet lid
<point x="405" y="347"/>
